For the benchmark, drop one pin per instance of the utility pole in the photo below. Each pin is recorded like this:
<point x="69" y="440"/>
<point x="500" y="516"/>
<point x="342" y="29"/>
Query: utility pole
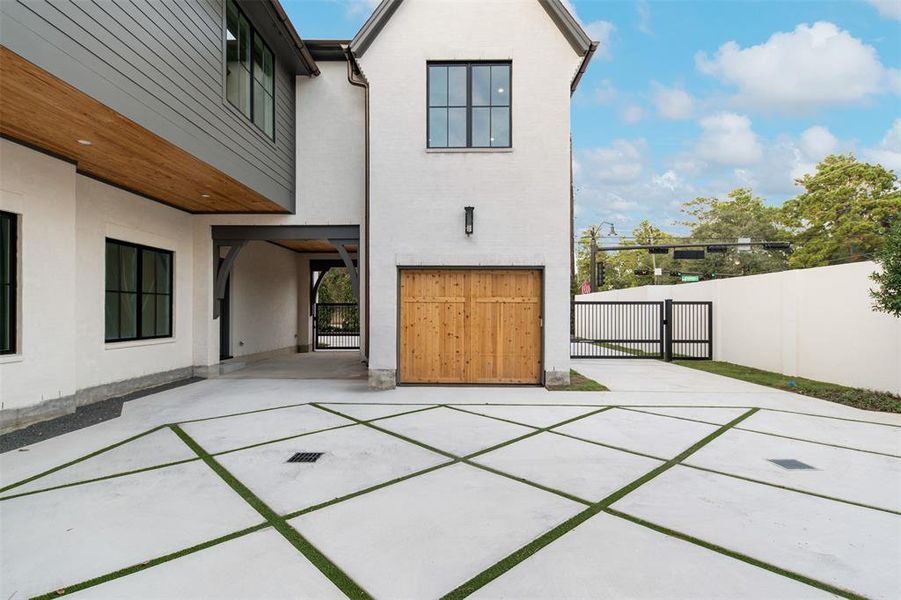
<point x="593" y="264"/>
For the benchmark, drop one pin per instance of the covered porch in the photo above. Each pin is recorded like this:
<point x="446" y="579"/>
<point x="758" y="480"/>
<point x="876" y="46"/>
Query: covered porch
<point x="266" y="282"/>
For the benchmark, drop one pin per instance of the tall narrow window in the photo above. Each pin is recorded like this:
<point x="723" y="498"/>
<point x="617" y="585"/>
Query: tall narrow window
<point x="138" y="292"/>
<point x="249" y="70"/>
<point x="8" y="273"/>
<point x="469" y="105"/>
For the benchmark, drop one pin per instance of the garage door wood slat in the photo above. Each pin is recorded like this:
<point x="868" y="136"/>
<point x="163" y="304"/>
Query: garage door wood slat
<point x="470" y="326"/>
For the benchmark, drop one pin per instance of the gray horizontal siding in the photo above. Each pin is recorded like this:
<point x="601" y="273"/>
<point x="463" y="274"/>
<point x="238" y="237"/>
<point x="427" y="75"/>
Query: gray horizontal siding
<point x="160" y="63"/>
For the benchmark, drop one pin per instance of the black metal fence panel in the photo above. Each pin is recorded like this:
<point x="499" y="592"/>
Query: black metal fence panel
<point x="692" y="330"/>
<point x="666" y="330"/>
<point x="336" y="327"/>
<point x="617" y="330"/>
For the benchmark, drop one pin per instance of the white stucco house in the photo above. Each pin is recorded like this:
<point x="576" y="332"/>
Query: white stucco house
<point x="172" y="186"/>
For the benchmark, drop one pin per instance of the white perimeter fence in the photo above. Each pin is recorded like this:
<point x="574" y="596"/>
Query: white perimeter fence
<point x="815" y="323"/>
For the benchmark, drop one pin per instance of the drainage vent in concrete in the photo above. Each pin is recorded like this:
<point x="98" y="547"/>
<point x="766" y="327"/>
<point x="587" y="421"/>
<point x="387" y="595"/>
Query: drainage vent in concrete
<point x="305" y="457"/>
<point x="791" y="464"/>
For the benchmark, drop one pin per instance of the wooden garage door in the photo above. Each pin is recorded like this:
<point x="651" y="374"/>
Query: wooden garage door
<point x="470" y="326"/>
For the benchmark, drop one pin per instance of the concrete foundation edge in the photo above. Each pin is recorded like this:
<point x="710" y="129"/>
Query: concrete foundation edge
<point x="382" y="379"/>
<point x="17" y="418"/>
<point x="556" y="378"/>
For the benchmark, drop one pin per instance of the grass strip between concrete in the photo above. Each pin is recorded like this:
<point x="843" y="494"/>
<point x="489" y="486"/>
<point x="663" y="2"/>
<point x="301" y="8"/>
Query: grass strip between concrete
<point x="513" y="559"/>
<point x="174" y="463"/>
<point x="148" y="564"/>
<point x="334" y="573"/>
<point x="466" y="459"/>
<point x="355" y="591"/>
<point x="778" y="435"/>
<point x="80" y="459"/>
<point x="96" y="479"/>
<point x="737" y="555"/>
<point x="352" y="589"/>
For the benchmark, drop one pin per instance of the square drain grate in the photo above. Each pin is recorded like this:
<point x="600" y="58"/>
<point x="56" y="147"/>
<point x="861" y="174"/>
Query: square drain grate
<point x="791" y="464"/>
<point x="305" y="457"/>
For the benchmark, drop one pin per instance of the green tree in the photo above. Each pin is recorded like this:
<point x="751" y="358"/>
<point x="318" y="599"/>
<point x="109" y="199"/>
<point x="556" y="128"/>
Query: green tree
<point x="742" y="215"/>
<point x="843" y="213"/>
<point x="335" y="288"/>
<point x="887" y="296"/>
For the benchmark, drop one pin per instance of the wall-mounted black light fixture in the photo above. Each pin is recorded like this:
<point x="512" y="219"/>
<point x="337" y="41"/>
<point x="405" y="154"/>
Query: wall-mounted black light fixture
<point x="468" y="219"/>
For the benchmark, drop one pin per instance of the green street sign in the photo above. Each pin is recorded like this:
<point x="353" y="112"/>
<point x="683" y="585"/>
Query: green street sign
<point x="690" y="278"/>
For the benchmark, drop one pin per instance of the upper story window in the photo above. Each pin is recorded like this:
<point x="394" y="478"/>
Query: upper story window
<point x="469" y="105"/>
<point x="8" y="271"/>
<point x="138" y="292"/>
<point x="249" y="71"/>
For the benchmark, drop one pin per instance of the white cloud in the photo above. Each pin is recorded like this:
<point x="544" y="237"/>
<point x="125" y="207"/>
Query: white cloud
<point x="605" y="93"/>
<point x="644" y="16"/>
<point x="816" y="142"/>
<point x="600" y="32"/>
<point x="800" y="70"/>
<point x="888" y="152"/>
<point x="355" y="8"/>
<point x="668" y="181"/>
<point x="888" y="8"/>
<point x="620" y="162"/>
<point x="727" y="138"/>
<point x="673" y="103"/>
<point x="632" y="114"/>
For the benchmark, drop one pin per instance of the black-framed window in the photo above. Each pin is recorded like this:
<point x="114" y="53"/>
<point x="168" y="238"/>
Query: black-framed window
<point x="9" y="230"/>
<point x="469" y="105"/>
<point x="138" y="292"/>
<point x="249" y="70"/>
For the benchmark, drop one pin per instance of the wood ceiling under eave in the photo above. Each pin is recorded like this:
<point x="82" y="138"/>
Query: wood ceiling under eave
<point x="42" y="111"/>
<point x="312" y="246"/>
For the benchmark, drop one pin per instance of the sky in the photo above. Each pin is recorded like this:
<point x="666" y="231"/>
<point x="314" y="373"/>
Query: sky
<point x="695" y="98"/>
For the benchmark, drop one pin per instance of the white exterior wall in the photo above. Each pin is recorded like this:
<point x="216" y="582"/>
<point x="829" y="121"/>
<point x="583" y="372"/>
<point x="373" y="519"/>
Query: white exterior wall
<point x="330" y="148"/>
<point x="41" y="190"/>
<point x="264" y="299"/>
<point x="815" y="323"/>
<point x="521" y="196"/>
<point x="330" y="191"/>
<point x="64" y="221"/>
<point x="107" y="212"/>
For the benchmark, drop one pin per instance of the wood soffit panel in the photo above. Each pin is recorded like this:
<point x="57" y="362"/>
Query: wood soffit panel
<point x="44" y="112"/>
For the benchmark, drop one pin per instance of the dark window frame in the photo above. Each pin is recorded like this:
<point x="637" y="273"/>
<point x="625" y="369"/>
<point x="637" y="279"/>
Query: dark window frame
<point x="139" y="292"/>
<point x="13" y="284"/>
<point x="254" y="33"/>
<point x="469" y="64"/>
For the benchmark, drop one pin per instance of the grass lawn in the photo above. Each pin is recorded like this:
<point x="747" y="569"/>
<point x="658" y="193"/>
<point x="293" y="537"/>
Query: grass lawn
<point x="578" y="383"/>
<point x="856" y="397"/>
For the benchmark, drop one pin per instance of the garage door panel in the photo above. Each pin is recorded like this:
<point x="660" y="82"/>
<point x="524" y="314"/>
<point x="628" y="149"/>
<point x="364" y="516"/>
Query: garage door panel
<point x="470" y="326"/>
<point x="432" y="327"/>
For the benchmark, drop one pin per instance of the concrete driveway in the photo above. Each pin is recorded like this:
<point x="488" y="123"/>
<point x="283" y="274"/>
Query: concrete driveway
<point x="664" y="487"/>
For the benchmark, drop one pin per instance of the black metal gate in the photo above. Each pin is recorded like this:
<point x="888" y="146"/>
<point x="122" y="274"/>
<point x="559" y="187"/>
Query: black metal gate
<point x="336" y="327"/>
<point x="664" y="330"/>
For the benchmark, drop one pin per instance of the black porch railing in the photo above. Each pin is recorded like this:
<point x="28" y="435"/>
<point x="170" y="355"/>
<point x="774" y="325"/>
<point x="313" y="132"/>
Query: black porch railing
<point x="336" y="327"/>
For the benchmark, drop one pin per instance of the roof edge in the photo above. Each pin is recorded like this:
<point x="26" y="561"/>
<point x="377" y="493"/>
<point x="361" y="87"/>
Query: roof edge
<point x="583" y="67"/>
<point x="569" y="26"/>
<point x="373" y="26"/>
<point x="303" y="52"/>
<point x="566" y="22"/>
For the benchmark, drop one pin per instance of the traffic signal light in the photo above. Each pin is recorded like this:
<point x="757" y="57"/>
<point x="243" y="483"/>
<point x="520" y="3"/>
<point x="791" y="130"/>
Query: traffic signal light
<point x="601" y="273"/>
<point x="777" y="245"/>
